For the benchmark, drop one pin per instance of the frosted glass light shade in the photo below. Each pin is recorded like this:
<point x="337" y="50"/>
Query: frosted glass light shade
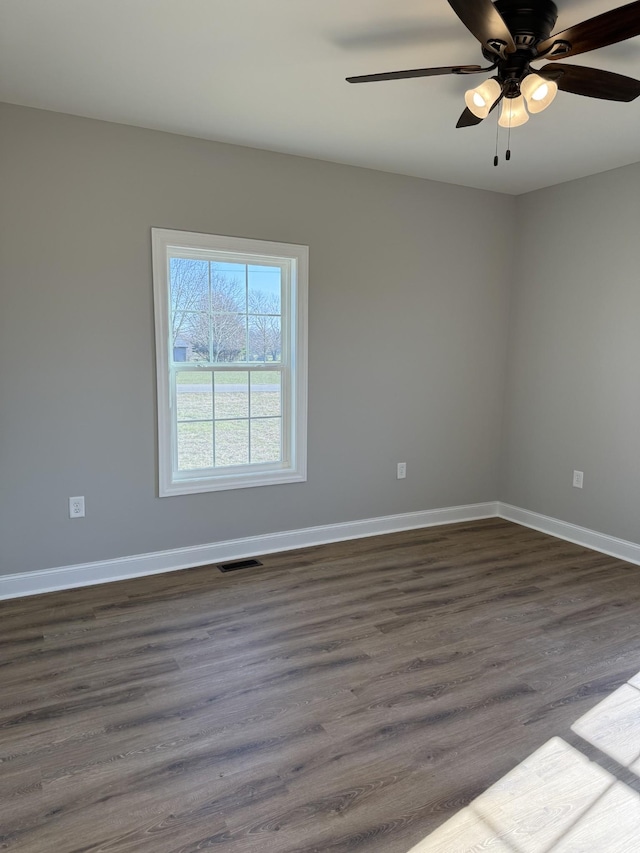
<point x="538" y="92"/>
<point x="514" y="113"/>
<point x="482" y="98"/>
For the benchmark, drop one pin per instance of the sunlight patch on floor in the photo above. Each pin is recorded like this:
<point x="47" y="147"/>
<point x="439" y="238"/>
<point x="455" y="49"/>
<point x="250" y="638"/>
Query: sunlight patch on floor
<point x="557" y="800"/>
<point x="614" y="726"/>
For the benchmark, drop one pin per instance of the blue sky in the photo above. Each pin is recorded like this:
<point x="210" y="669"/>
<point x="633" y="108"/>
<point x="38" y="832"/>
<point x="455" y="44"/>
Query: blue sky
<point x="266" y="279"/>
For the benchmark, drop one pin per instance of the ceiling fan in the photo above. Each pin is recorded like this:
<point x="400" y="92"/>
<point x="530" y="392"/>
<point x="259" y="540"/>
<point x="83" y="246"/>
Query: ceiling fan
<point x="515" y="33"/>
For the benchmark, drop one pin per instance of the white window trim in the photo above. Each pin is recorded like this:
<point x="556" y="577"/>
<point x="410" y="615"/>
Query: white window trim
<point x="294" y="469"/>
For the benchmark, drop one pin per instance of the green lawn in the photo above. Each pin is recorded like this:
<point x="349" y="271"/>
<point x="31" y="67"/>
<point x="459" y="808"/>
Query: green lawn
<point x="225" y="377"/>
<point x="231" y="433"/>
<point x="198" y="405"/>
<point x="196" y="442"/>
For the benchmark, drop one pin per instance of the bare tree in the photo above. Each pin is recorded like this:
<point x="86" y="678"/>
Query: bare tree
<point x="189" y="289"/>
<point x="264" y="326"/>
<point x="207" y="310"/>
<point x="228" y="325"/>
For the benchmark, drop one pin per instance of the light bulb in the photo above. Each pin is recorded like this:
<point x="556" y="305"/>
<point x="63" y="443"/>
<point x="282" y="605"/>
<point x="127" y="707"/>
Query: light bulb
<point x="482" y="98"/>
<point x="514" y="113"/>
<point x="538" y="92"/>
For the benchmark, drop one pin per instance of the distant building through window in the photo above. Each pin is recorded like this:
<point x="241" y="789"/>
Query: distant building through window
<point x="180" y="350"/>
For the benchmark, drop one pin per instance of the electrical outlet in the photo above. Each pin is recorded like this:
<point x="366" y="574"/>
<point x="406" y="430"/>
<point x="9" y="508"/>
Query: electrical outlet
<point x="76" y="507"/>
<point x="402" y="470"/>
<point x="578" y="479"/>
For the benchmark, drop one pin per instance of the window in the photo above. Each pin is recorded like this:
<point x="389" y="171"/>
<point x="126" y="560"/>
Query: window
<point x="231" y="325"/>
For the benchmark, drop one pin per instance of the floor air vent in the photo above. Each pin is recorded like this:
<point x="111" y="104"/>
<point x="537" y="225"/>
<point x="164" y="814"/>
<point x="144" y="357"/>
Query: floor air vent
<point x="238" y="564"/>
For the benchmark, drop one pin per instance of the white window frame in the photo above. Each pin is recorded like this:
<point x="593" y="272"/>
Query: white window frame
<point x="295" y="260"/>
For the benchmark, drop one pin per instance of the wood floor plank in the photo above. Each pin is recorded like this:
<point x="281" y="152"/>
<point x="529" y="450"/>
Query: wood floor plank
<point x="528" y="810"/>
<point x="341" y="698"/>
<point x="614" y="725"/>
<point x="599" y="830"/>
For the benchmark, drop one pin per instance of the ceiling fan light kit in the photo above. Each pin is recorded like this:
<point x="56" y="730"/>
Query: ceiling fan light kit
<point x="481" y="99"/>
<point x="514" y="112"/>
<point x="515" y="33"/>
<point x="538" y="92"/>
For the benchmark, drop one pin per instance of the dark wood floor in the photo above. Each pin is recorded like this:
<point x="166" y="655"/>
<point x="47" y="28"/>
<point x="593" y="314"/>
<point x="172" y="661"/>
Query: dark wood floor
<point x="349" y="697"/>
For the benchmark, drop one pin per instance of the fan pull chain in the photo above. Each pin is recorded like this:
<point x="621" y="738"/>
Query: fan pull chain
<point x="507" y="156"/>
<point x="495" y="159"/>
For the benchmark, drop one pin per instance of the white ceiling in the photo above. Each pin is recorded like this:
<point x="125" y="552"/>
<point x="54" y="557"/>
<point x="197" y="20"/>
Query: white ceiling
<point x="270" y="74"/>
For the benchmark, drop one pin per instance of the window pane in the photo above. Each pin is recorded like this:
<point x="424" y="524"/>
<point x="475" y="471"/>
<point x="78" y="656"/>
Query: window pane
<point x="266" y="394"/>
<point x="189" y="285"/>
<point x="190" y="337"/>
<point x="229" y="337"/>
<point x="232" y="443"/>
<point x="265" y="338"/>
<point x="195" y="446"/>
<point x="194" y="396"/>
<point x="228" y="288"/>
<point x="266" y="441"/>
<point x="265" y="286"/>
<point x="232" y="394"/>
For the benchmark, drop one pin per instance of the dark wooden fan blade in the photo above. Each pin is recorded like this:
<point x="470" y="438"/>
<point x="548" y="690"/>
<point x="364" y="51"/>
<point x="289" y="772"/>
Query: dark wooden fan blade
<point x="608" y="28"/>
<point x="484" y="21"/>
<point x="416" y="72"/>
<point x="468" y="119"/>
<point x="591" y="82"/>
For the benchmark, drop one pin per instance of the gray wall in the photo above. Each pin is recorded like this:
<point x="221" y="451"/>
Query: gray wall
<point x="573" y="389"/>
<point x="409" y="285"/>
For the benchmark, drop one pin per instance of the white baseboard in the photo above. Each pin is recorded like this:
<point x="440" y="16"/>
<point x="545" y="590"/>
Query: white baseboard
<point x="121" y="568"/>
<point x="103" y="571"/>
<point x="621" y="548"/>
